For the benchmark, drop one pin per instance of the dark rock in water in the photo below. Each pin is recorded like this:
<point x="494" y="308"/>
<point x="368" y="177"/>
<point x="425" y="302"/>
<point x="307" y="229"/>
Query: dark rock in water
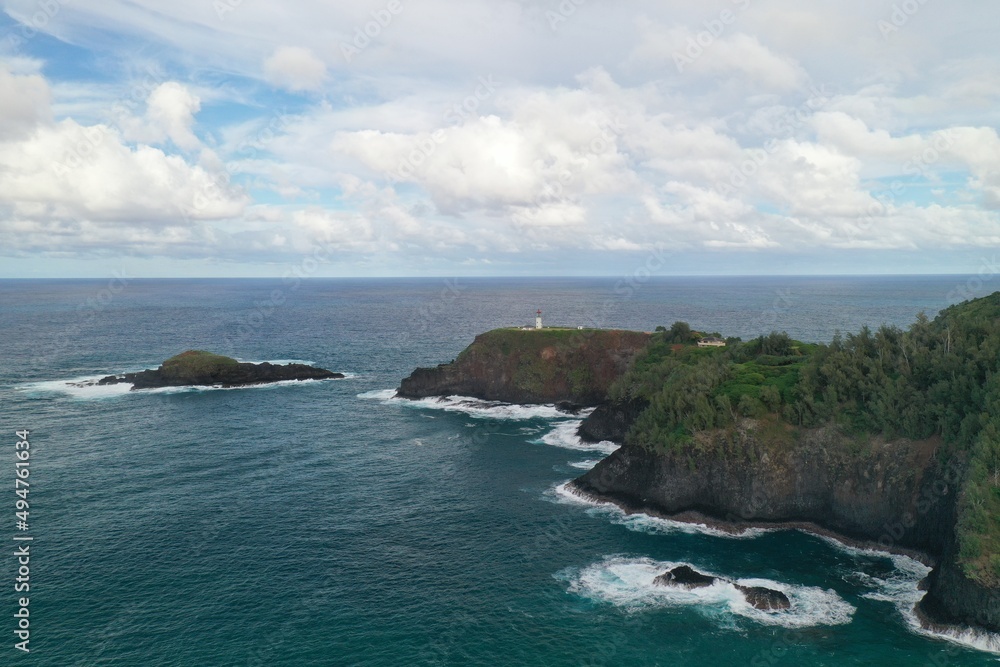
<point x="569" y="408"/>
<point x="685" y="577"/>
<point x="758" y="597"/>
<point x="199" y="368"/>
<point x="765" y="599"/>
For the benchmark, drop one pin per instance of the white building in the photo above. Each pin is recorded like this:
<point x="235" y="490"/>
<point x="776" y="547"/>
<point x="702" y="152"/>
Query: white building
<point x="538" y="319"/>
<point x="711" y="341"/>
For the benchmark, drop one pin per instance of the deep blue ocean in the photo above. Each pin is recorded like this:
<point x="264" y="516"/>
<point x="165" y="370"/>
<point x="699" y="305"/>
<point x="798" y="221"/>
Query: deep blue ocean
<point x="324" y="523"/>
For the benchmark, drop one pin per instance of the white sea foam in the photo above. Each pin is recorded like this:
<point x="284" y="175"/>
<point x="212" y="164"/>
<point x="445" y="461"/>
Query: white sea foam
<point x="565" y="435"/>
<point x="87" y="388"/>
<point x="901" y="587"/>
<point x="378" y="394"/>
<point x="276" y="362"/>
<point x="644" y="523"/>
<point x="264" y="386"/>
<point x="585" y="465"/>
<point x="82" y="388"/>
<point x="627" y="582"/>
<point x="473" y="407"/>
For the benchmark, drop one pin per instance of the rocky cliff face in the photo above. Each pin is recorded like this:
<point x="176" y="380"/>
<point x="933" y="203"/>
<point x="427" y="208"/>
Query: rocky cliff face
<point x="611" y="421"/>
<point x="543" y="366"/>
<point x="895" y="495"/>
<point x="952" y="598"/>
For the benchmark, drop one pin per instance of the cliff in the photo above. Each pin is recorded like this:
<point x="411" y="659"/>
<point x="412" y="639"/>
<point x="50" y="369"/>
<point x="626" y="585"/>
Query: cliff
<point x="200" y="368"/>
<point x="898" y="495"/>
<point x="889" y="439"/>
<point x="533" y="366"/>
<point x="611" y="421"/>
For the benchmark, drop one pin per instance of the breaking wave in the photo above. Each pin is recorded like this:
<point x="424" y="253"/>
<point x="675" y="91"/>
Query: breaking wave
<point x="627" y="582"/>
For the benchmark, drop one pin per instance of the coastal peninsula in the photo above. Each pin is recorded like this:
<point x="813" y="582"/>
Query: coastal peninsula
<point x="887" y="439"/>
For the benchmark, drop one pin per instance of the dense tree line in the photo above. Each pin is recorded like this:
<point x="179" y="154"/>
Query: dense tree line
<point x="937" y="378"/>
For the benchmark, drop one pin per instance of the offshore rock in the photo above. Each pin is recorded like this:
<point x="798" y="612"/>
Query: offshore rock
<point x="200" y="368"/>
<point x="684" y="577"/>
<point x="765" y="599"/>
<point x="688" y="578"/>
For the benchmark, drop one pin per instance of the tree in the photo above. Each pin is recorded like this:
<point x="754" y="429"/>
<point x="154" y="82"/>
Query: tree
<point x="680" y="332"/>
<point x="770" y="397"/>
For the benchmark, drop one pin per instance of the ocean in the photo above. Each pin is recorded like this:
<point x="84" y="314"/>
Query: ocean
<point x="326" y="523"/>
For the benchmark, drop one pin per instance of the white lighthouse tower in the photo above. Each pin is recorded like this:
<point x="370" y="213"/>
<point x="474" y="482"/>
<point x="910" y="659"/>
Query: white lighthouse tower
<point x="538" y="319"/>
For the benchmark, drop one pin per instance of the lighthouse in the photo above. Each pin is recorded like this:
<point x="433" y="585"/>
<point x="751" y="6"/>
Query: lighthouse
<point x="538" y="319"/>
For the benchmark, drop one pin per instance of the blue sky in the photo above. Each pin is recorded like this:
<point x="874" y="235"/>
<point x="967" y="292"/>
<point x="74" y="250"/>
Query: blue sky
<point x="384" y="138"/>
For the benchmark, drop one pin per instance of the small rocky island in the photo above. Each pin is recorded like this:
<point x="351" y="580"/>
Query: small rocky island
<point x="758" y="597"/>
<point x="196" y="368"/>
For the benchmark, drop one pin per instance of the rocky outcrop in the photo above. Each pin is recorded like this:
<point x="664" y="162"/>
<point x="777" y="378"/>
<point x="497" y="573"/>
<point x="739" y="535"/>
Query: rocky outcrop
<point x="611" y="421"/>
<point x="688" y="578"/>
<point x="533" y="366"/>
<point x="684" y="577"/>
<point x="765" y="599"/>
<point x="952" y="598"/>
<point x="199" y="368"/>
<point x="892" y="495"/>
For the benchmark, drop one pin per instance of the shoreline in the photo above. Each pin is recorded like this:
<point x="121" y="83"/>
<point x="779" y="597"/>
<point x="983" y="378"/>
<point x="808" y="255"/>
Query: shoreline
<point x="741" y="526"/>
<point x="968" y="636"/>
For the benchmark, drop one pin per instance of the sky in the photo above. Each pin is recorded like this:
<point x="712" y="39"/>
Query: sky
<point x="498" y="137"/>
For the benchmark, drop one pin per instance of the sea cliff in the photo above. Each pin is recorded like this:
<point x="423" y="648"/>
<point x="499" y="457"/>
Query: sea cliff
<point x="898" y="496"/>
<point x="533" y="366"/>
<point x="888" y="440"/>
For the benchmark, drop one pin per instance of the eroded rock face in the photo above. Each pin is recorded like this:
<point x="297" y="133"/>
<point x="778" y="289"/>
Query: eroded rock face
<point x="534" y="366"/>
<point x="894" y="495"/>
<point x="765" y="599"/>
<point x="611" y="421"/>
<point x="685" y="577"/>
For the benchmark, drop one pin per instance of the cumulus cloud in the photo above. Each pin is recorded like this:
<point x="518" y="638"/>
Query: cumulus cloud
<point x="170" y="114"/>
<point x="782" y="128"/>
<point x="294" y="68"/>
<point x="78" y="187"/>
<point x="24" y="103"/>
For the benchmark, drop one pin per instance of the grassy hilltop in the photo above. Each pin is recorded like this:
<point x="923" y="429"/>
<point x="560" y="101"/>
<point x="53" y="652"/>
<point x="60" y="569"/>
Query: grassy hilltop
<point x="533" y="366"/>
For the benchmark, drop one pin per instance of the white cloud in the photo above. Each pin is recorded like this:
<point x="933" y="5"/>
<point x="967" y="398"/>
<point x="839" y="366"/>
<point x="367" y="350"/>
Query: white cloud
<point x="24" y="102"/>
<point x="78" y="187"/>
<point x="587" y="136"/>
<point x="170" y="112"/>
<point x="294" y="68"/>
<point x="684" y="50"/>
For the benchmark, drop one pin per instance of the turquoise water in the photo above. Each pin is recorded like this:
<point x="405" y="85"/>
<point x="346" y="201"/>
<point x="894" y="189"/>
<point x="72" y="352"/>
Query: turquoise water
<point x="325" y="524"/>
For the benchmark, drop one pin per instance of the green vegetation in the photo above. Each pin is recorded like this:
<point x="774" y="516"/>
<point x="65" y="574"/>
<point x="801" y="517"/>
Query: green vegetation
<point x="554" y="363"/>
<point x="195" y="364"/>
<point x="690" y="389"/>
<point x="937" y="378"/>
<point x="527" y="343"/>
